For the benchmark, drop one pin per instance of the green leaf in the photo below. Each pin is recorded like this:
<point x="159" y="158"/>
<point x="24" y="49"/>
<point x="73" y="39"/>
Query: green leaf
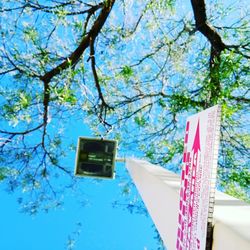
<point x="65" y="95"/>
<point x="141" y="121"/>
<point x="162" y="103"/>
<point x="127" y="72"/>
<point x="30" y="33"/>
<point x="3" y="173"/>
<point x="24" y="100"/>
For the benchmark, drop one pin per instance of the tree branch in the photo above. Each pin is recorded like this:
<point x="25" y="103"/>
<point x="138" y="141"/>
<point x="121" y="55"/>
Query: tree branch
<point x="199" y="9"/>
<point x="75" y="56"/>
<point x="92" y="58"/>
<point x="54" y="9"/>
<point x="21" y="133"/>
<point x="217" y="46"/>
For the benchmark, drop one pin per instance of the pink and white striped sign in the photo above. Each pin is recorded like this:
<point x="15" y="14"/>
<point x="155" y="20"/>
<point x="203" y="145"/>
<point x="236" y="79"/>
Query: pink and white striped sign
<point x="198" y="178"/>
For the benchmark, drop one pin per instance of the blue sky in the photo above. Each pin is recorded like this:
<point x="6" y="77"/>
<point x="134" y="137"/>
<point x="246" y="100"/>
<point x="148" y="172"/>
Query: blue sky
<point x="100" y="225"/>
<point x="103" y="227"/>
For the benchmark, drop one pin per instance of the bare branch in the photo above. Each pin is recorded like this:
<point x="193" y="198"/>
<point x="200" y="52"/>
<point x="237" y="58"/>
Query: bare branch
<point x="93" y="66"/>
<point x="55" y="9"/>
<point x="23" y="132"/>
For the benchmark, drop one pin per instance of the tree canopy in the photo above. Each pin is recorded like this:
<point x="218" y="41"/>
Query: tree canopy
<point x="133" y="70"/>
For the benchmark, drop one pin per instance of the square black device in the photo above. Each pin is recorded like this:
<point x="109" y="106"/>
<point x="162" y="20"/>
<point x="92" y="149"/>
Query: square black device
<point x="95" y="157"/>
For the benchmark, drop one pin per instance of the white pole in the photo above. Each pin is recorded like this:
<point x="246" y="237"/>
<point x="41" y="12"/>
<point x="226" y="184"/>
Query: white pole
<point x="159" y="189"/>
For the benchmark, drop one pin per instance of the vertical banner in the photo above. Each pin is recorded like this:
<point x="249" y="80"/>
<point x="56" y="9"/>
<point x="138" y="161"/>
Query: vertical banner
<point x="198" y="178"/>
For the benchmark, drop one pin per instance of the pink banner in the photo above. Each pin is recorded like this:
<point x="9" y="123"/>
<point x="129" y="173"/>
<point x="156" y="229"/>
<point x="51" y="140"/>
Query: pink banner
<point x="200" y="156"/>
